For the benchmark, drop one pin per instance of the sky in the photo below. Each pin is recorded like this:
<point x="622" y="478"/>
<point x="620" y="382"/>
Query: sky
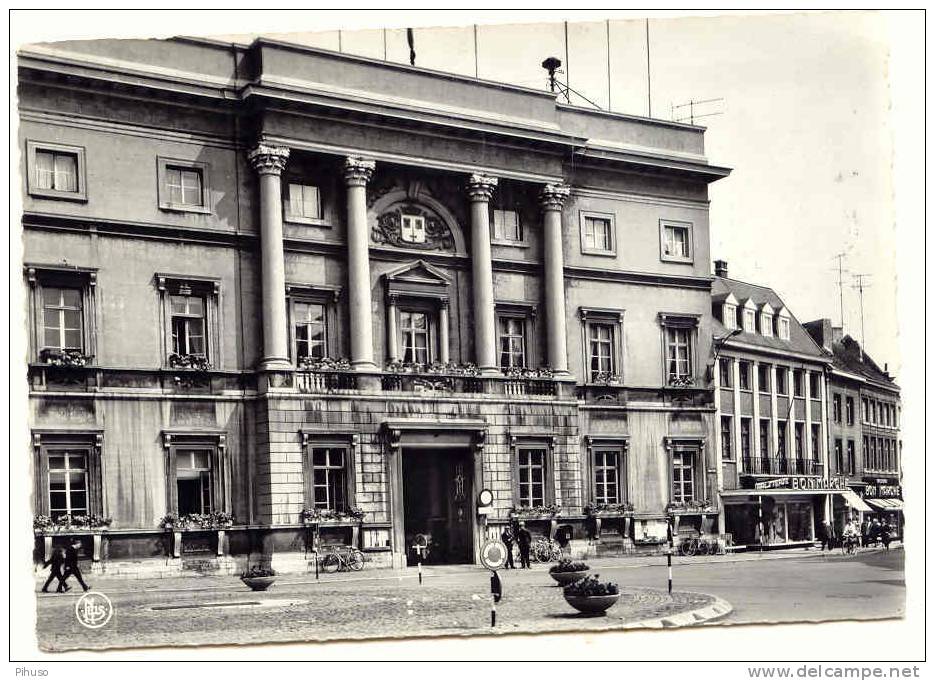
<point x="803" y="122"/>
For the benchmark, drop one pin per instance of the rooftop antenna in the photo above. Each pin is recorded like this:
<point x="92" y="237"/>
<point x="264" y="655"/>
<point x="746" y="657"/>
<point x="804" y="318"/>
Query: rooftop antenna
<point x="552" y="65"/>
<point x="860" y="286"/>
<point x="649" y="86"/>
<point x="840" y="258"/>
<point x="692" y="115"/>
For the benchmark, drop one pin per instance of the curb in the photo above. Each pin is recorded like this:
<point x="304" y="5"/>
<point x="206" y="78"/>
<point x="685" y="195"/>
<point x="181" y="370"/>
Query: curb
<point x="705" y="615"/>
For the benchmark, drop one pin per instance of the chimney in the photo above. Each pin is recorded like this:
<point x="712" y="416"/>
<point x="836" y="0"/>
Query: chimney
<point x="821" y="332"/>
<point x="837" y="333"/>
<point x="720" y="268"/>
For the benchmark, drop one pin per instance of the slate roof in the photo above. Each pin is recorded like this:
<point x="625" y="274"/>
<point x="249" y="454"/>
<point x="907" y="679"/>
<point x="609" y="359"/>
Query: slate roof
<point x="799" y="339"/>
<point x="850" y="357"/>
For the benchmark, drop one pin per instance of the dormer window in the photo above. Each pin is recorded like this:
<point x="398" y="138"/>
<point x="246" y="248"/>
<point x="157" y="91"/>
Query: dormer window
<point x="783" y="324"/>
<point x="766" y="320"/>
<point x="749" y="321"/>
<point x="730" y="316"/>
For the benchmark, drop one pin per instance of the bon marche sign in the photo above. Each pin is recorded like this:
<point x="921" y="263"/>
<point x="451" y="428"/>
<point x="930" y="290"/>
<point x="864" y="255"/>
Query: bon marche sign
<point x="798" y="482"/>
<point x="883" y="491"/>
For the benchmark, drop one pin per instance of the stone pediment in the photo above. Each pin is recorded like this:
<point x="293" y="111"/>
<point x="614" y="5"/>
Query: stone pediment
<point x="417" y="278"/>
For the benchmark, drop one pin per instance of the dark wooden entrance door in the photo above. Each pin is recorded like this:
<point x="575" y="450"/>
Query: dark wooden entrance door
<point x="437" y="500"/>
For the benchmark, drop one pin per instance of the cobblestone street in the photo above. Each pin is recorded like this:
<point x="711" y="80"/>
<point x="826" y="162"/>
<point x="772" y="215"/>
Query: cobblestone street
<point x="455" y="601"/>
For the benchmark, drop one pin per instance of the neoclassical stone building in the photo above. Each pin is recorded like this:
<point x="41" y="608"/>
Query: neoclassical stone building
<point x="280" y="296"/>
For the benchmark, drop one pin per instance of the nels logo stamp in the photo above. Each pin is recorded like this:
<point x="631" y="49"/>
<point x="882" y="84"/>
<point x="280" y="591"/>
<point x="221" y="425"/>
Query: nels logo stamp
<point x="94" y="610"/>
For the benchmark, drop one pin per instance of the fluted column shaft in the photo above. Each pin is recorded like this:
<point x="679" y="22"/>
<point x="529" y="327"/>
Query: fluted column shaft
<point x="357" y="173"/>
<point x="480" y="188"/>
<point x="552" y="199"/>
<point x="269" y="162"/>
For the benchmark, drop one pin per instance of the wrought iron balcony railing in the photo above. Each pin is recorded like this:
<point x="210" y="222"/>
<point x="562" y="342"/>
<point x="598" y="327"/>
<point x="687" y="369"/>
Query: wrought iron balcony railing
<point x="764" y="465"/>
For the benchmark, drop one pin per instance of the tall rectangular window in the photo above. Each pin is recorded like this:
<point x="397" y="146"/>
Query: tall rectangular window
<point x="781" y="427"/>
<point x="597" y="234"/>
<point x="727" y="436"/>
<point x="838" y="455"/>
<point x="782" y="383"/>
<point x="798" y="383"/>
<point x="68" y="482"/>
<point x="744" y="375"/>
<point x="304" y="201"/>
<point x="764" y="438"/>
<point x="62" y="318"/>
<point x="193" y="480"/>
<point x="784" y="328"/>
<point x="814" y="379"/>
<point x="184" y="186"/>
<point x="800" y="441"/>
<point x="866" y="410"/>
<point x="601" y="349"/>
<point x="188" y="325"/>
<point x="836" y="408"/>
<point x="678" y="353"/>
<point x="726" y="367"/>
<point x="512" y="342"/>
<point x="866" y="452"/>
<point x="683" y="477"/>
<point x="816" y="441"/>
<point x="329" y="478"/>
<point x="506" y="226"/>
<point x="745" y="450"/>
<point x="849" y="410"/>
<point x="415" y="332"/>
<point x="851" y="458"/>
<point x="310" y="327"/>
<point x="762" y="373"/>
<point x="607" y="483"/>
<point x="531" y="469"/>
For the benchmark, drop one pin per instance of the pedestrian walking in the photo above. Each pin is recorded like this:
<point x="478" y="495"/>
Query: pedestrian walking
<point x="507" y="538"/>
<point x="56" y="560"/>
<point x="865" y="533"/>
<point x="886" y="535"/>
<point x="827" y="536"/>
<point x="524" y="539"/>
<point x="71" y="564"/>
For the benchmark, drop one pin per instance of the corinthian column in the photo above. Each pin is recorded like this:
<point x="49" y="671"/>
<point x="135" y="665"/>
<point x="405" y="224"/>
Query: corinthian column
<point x="269" y="162"/>
<point x="357" y="173"/>
<point x="480" y="188"/>
<point x="552" y="198"/>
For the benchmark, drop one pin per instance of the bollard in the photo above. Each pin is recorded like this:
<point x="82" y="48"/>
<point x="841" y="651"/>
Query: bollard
<point x="669" y="561"/>
<point x="420" y="573"/>
<point x="493" y="611"/>
<point x="316" y="565"/>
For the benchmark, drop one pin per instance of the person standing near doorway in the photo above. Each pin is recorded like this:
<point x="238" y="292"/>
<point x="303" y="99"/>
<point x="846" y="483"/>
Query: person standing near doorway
<point x="71" y="564"/>
<point x="507" y="538"/>
<point x="524" y="539"/>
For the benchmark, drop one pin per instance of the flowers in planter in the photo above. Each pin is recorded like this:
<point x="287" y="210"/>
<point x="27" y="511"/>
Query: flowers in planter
<point x="608" y="509"/>
<point x="190" y="361"/>
<point x="449" y="368"/>
<point x="69" y="522"/>
<point x="691" y="505"/>
<point x="536" y="511"/>
<point x="64" y="358"/>
<point x="568" y="565"/>
<point x="218" y="520"/>
<point x="325" y="364"/>
<point x="317" y="515"/>
<point x="592" y="586"/>
<point x="605" y="378"/>
<point x="526" y="372"/>
<point x="681" y="381"/>
<point x="257" y="571"/>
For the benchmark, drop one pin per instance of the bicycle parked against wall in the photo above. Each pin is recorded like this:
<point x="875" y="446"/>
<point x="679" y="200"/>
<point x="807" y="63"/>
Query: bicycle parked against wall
<point x="697" y="546"/>
<point x="340" y="557"/>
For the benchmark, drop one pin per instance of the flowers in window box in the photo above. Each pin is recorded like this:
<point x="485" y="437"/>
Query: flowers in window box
<point x="681" y="381"/>
<point x="325" y="364"/>
<point x="526" y="372"/>
<point x="605" y="378"/>
<point x="190" y="361"/>
<point x="217" y="520"/>
<point x="551" y="510"/>
<point x="69" y="522"/>
<point x="696" y="505"/>
<point x="64" y="358"/>
<point x="608" y="509"/>
<point x="592" y="586"/>
<point x="317" y="515"/>
<point x="450" y="368"/>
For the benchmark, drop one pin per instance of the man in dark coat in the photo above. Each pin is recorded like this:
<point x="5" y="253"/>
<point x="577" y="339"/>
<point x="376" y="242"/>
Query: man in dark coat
<point x="524" y="540"/>
<point x="507" y="538"/>
<point x="56" y="561"/>
<point x="71" y="564"/>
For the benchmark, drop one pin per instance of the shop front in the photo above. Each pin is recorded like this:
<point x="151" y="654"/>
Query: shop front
<point x="884" y="496"/>
<point x="780" y="511"/>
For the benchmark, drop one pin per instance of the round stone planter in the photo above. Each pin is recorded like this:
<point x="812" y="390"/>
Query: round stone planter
<point x="592" y="605"/>
<point x="566" y="578"/>
<point x="258" y="583"/>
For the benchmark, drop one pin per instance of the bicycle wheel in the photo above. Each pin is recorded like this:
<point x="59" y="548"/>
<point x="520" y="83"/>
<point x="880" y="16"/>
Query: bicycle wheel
<point x="355" y="560"/>
<point x="688" y="548"/>
<point x="703" y="547"/>
<point x="330" y="563"/>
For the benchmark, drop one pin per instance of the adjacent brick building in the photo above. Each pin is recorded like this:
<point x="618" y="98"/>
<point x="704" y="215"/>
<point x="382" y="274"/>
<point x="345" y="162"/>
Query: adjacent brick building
<point x="336" y="297"/>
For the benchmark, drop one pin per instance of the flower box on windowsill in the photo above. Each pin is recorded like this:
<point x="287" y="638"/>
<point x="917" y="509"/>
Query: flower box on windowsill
<point x="608" y="510"/>
<point x="77" y="524"/>
<point x="690" y="508"/>
<point x="328" y="517"/>
<point x="535" y="512"/>
<point x="65" y="359"/>
<point x="197" y="522"/>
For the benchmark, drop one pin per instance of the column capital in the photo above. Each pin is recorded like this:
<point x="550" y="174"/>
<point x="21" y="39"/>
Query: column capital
<point x="267" y="159"/>
<point x="553" y="196"/>
<point x="358" y="170"/>
<point x="480" y="187"/>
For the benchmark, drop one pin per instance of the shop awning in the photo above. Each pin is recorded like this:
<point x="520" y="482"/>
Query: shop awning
<point x="886" y="504"/>
<point x="854" y="501"/>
